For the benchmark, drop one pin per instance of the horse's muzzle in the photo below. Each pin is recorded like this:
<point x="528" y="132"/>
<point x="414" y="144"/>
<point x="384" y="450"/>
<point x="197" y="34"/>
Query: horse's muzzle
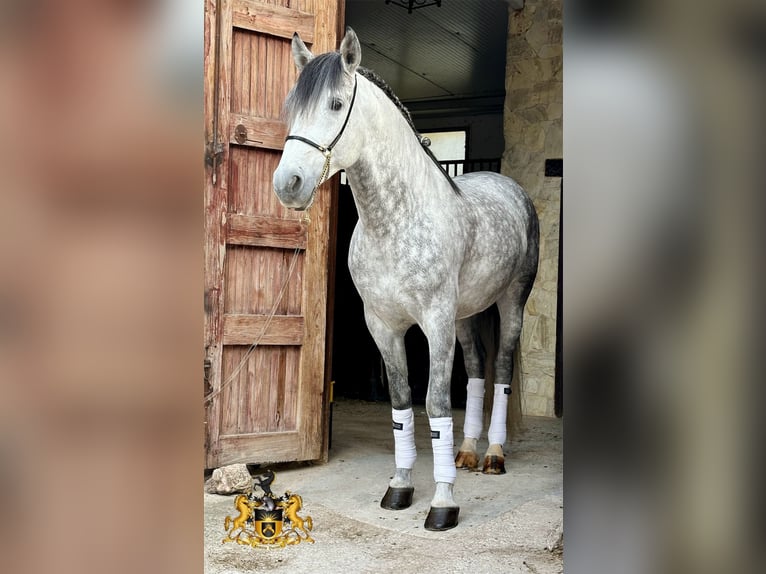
<point x="291" y="189"/>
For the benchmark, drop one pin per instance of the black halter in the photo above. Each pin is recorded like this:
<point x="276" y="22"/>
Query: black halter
<point x="327" y="151"/>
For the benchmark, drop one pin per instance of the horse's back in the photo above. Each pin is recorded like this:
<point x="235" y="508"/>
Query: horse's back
<point x="494" y="200"/>
<point x="503" y="238"/>
<point x="486" y="190"/>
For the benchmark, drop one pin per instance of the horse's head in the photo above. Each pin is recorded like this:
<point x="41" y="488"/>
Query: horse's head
<point x="319" y="112"/>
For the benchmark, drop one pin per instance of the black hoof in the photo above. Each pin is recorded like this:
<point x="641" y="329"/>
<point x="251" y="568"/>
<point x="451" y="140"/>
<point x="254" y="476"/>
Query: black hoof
<point x="397" y="498"/>
<point x="494" y="465"/>
<point x="440" y="518"/>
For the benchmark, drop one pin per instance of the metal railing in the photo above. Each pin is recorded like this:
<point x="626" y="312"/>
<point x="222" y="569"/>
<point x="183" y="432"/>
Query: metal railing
<point x="458" y="167"/>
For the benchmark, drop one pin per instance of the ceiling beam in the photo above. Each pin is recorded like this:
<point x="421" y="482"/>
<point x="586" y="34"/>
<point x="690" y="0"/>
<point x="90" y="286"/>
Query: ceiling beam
<point x="456" y="106"/>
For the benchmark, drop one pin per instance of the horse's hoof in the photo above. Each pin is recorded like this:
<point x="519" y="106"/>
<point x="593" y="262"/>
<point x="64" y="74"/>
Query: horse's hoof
<point x="441" y="518"/>
<point x="397" y="498"/>
<point x="467" y="459"/>
<point x="494" y="465"/>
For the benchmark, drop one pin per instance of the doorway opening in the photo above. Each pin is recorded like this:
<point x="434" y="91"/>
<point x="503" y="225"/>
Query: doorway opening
<point x="357" y="367"/>
<point x="455" y="101"/>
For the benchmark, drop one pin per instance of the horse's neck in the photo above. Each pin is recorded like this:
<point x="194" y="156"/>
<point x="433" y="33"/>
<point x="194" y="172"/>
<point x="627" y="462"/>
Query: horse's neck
<point x="394" y="177"/>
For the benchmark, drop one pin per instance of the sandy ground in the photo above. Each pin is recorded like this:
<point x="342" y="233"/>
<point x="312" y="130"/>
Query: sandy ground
<point x="509" y="523"/>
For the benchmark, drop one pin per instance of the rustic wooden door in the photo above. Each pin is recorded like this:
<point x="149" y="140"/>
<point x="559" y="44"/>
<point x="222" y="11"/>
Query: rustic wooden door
<point x="266" y="267"/>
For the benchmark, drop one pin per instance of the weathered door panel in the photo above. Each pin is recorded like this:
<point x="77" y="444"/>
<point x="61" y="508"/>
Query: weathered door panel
<point x="265" y="266"/>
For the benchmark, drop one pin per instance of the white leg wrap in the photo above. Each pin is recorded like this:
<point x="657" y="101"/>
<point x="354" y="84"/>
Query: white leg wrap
<point x="474" y="405"/>
<point x="404" y="438"/>
<point x="441" y="441"/>
<point x="497" y="429"/>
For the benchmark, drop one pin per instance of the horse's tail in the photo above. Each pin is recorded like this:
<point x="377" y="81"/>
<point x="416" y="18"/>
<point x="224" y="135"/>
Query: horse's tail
<point x="227" y="522"/>
<point x="489" y="331"/>
<point x="309" y="522"/>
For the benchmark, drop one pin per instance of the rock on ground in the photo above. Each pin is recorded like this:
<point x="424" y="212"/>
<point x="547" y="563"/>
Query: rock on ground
<point x="230" y="479"/>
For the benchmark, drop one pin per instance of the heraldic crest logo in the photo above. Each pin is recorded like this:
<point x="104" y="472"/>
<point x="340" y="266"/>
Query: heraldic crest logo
<point x="268" y="520"/>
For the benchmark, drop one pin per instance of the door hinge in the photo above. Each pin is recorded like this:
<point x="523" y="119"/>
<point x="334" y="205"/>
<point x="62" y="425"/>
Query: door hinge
<point x="206" y="373"/>
<point x="213" y="153"/>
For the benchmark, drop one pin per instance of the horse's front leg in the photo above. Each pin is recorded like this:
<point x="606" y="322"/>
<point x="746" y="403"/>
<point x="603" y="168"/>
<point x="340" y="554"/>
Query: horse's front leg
<point x="390" y="343"/>
<point x="440" y="332"/>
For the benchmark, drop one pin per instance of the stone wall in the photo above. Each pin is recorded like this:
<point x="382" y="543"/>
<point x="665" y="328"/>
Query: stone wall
<point x="533" y="133"/>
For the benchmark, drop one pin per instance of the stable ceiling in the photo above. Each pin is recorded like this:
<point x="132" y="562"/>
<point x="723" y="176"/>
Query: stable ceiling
<point x="452" y="56"/>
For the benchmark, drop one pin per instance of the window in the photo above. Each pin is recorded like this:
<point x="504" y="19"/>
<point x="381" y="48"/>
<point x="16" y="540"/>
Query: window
<point x="447" y="146"/>
<point x="449" y="149"/>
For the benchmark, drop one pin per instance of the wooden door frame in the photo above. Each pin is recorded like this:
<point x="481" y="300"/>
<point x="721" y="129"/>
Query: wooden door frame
<point x="332" y="255"/>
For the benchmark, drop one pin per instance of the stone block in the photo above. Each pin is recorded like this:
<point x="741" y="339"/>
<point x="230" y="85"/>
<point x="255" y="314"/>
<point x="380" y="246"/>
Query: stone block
<point x="531" y="72"/>
<point x="557" y="65"/>
<point x="548" y="390"/>
<point x="520" y="21"/>
<point x="531" y="386"/>
<point x="515" y="122"/>
<point x="535" y="405"/>
<point x="554" y="138"/>
<point x="555" y="32"/>
<point x="515" y="163"/>
<point x="516" y="96"/>
<point x="538" y="33"/>
<point x="230" y="479"/>
<point x="554" y="110"/>
<point x="518" y="49"/>
<point x="554" y="12"/>
<point x="551" y="191"/>
<point x="540" y="333"/>
<point x="534" y="137"/>
<point x="547" y="273"/>
<point x="530" y="179"/>
<point x="533" y="114"/>
<point x="550" y="51"/>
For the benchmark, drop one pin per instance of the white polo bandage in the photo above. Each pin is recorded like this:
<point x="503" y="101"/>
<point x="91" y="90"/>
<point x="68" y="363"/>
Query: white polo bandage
<point x="496" y="434"/>
<point x="404" y="437"/>
<point x="442" y="443"/>
<point x="474" y="405"/>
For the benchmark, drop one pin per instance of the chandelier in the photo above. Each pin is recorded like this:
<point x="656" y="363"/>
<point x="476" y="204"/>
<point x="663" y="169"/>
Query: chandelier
<point x="415" y="4"/>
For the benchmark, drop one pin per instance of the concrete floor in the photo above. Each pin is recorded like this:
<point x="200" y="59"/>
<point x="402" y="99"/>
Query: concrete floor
<point x="508" y="523"/>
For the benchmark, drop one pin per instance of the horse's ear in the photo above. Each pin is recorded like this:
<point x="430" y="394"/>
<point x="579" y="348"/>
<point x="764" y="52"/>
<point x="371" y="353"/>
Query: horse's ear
<point x="350" y="51"/>
<point x="301" y="54"/>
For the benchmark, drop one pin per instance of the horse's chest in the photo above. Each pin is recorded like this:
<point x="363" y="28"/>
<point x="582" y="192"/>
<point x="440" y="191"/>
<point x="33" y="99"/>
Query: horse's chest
<point x="399" y="272"/>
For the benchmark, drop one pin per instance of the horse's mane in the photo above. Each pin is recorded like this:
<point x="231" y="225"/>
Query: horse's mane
<point x="325" y="73"/>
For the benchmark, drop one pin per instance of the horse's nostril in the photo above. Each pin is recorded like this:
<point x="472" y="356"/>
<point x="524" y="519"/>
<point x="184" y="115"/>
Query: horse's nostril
<point x="295" y="183"/>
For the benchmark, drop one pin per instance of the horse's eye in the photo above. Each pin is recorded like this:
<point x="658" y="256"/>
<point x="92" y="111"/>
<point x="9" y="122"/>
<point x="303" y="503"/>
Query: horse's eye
<point x="336" y="104"/>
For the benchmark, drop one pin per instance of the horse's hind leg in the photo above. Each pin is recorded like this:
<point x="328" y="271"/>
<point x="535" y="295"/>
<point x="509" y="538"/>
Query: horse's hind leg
<point x="391" y="346"/>
<point x="511" y="308"/>
<point x="473" y="352"/>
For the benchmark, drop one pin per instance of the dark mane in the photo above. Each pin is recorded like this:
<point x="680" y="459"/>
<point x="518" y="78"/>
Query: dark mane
<point x="325" y="73"/>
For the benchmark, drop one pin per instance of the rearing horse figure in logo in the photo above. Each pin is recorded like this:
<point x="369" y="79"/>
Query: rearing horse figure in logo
<point x="427" y="250"/>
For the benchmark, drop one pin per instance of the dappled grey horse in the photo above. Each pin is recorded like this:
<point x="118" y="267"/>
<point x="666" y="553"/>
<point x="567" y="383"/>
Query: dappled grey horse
<point x="427" y="250"/>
